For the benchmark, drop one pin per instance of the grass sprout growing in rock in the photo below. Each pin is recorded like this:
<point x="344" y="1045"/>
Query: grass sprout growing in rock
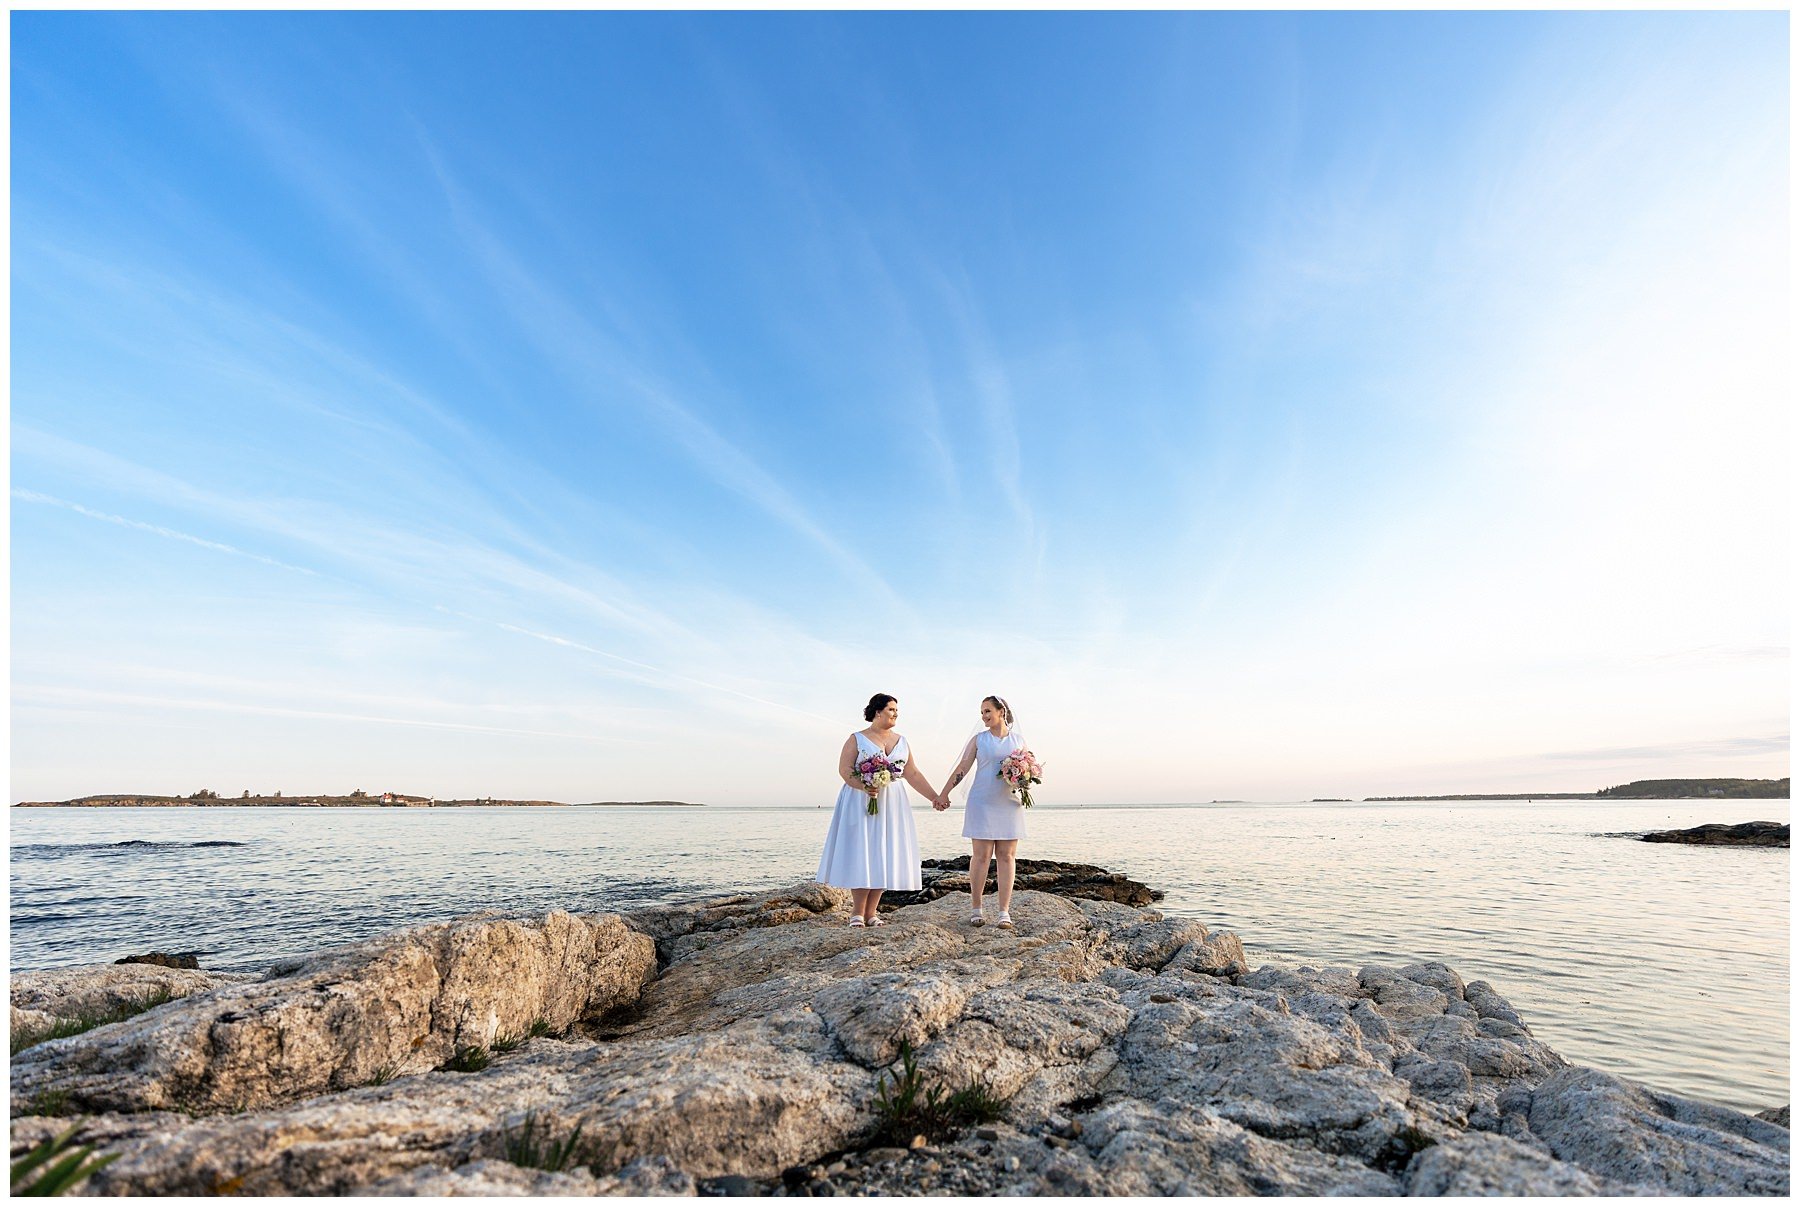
<point x="533" y="1147"/>
<point x="905" y="1106"/>
<point x="508" y="1043"/>
<point x="49" y="1103"/>
<point x="383" y="1075"/>
<point x="469" y="1059"/>
<point x="52" y="1104"/>
<point x="52" y="1167"/>
<point x="540" y="1027"/>
<point x="29" y="1036"/>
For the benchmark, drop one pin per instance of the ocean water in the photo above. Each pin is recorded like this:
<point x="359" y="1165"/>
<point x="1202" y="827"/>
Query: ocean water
<point x="1665" y="964"/>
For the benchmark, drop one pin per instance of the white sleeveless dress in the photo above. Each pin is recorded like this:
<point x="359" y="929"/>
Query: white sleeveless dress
<point x="991" y="811"/>
<point x="880" y="851"/>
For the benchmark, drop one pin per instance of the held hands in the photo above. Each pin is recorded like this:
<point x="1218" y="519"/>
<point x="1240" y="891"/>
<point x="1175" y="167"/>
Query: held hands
<point x="940" y="802"/>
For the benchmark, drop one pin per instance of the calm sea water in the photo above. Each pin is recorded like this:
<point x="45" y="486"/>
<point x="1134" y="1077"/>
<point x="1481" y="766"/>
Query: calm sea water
<point x="1665" y="964"/>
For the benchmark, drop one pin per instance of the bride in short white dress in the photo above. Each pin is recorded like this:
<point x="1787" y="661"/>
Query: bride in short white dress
<point x="870" y="852"/>
<point x="993" y="819"/>
<point x="992" y="812"/>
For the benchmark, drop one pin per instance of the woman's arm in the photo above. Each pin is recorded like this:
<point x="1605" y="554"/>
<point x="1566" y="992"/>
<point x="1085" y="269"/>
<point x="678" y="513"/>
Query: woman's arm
<point x="917" y="779"/>
<point x="962" y="768"/>
<point x="847" y="766"/>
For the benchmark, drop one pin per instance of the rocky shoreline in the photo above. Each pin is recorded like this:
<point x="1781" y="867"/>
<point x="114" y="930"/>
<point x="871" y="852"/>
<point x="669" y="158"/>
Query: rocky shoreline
<point x="756" y="1045"/>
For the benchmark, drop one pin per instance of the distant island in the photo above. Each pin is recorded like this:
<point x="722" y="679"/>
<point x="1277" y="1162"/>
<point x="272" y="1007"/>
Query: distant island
<point x="1703" y="789"/>
<point x="357" y="799"/>
<point x="1716" y="789"/>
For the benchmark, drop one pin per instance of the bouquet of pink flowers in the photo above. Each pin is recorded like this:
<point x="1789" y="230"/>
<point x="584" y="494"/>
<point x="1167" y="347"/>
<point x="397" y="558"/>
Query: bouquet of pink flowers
<point x="877" y="771"/>
<point x="1020" y="770"/>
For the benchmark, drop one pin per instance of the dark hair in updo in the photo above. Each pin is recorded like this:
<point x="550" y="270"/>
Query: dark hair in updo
<point x="1002" y="705"/>
<point x="877" y="702"/>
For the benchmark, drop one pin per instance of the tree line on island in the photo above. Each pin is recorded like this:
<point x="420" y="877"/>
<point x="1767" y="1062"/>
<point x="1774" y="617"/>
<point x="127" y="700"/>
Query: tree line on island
<point x="1716" y="789"/>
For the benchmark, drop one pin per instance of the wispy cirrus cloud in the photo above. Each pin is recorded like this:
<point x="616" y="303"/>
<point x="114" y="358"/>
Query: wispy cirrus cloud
<point x="988" y="384"/>
<point x="32" y="496"/>
<point x="50" y="697"/>
<point x="660" y="677"/>
<point x="421" y="566"/>
<point x="598" y="368"/>
<point x="441" y="558"/>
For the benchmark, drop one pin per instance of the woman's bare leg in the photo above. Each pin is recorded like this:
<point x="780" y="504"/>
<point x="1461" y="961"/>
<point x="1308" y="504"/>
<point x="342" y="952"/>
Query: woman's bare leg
<point x="978" y="866"/>
<point x="871" y="903"/>
<point x="859" y="900"/>
<point x="1004" y="851"/>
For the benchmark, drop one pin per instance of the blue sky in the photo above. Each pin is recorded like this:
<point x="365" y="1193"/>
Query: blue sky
<point x="599" y="406"/>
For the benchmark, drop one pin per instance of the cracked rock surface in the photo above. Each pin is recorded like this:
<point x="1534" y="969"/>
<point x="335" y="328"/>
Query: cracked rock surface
<point x="736" y="1046"/>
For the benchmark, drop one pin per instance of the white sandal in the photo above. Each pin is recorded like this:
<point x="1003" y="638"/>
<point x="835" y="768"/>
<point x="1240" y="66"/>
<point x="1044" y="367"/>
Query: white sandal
<point x="878" y="920"/>
<point x="856" y="921"/>
<point x="976" y="919"/>
<point x="1005" y="920"/>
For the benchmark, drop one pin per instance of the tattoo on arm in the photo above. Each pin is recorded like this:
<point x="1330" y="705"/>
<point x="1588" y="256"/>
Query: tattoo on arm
<point x="956" y="779"/>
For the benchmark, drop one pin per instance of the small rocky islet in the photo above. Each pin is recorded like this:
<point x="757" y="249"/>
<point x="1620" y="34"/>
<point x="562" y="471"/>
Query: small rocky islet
<point x="757" y="1045"/>
<point x="1720" y="834"/>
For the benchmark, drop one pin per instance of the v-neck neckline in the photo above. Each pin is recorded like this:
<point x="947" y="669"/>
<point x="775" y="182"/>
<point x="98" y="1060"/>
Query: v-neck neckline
<point x="887" y="752"/>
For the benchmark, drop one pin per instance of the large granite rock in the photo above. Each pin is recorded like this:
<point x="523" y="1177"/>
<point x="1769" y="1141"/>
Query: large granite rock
<point x="1137" y="1054"/>
<point x="399" y="1004"/>
<point x="682" y="928"/>
<point x="653" y="1177"/>
<point x="1479" y="1164"/>
<point x="1642" y="1136"/>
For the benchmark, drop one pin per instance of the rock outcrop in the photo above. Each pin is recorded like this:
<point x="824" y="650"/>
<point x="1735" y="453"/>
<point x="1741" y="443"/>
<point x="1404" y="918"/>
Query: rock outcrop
<point x="58" y="995"/>
<point x="178" y="959"/>
<point x="739" y="1046"/>
<point x="404" y="1003"/>
<point x="1641" y="1136"/>
<point x="944" y="876"/>
<point x="1717" y="834"/>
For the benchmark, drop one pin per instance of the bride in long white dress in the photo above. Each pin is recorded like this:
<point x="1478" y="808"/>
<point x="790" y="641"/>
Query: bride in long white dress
<point x="865" y="852"/>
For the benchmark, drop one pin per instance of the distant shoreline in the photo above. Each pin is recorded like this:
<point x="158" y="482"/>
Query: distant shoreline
<point x="1645" y="790"/>
<point x="1539" y="796"/>
<point x="1531" y="796"/>
<point x="1672" y="789"/>
<point x="385" y="801"/>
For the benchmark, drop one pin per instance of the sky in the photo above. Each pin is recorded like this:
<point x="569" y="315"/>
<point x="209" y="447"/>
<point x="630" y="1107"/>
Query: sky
<point x="602" y="406"/>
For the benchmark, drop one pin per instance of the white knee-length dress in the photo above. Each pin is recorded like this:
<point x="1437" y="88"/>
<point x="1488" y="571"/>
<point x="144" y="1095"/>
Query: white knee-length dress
<point x="992" y="812"/>
<point x="872" y="851"/>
